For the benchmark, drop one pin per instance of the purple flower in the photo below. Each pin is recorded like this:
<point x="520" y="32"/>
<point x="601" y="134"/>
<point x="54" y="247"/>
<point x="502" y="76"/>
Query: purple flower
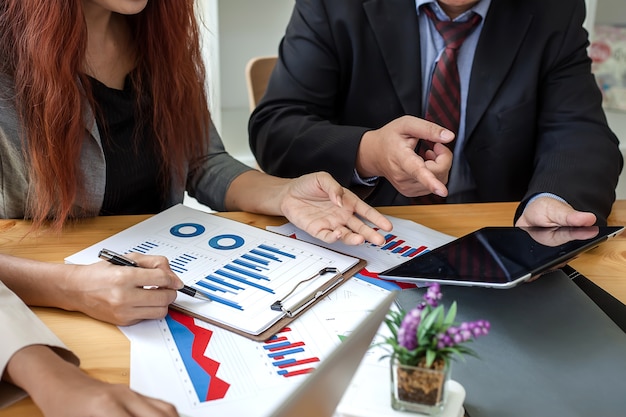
<point x="438" y="339"/>
<point x="407" y="333"/>
<point x="463" y="333"/>
<point x="433" y="294"/>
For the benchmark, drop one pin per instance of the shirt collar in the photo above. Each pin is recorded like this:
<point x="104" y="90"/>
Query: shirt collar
<point x="480" y="8"/>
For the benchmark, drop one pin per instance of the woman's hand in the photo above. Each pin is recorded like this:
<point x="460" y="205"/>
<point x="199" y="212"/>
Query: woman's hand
<point x="122" y="295"/>
<point x="319" y="205"/>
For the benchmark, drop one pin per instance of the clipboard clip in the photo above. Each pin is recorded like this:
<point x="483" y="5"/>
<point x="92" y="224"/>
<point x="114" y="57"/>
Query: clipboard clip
<point x="278" y="304"/>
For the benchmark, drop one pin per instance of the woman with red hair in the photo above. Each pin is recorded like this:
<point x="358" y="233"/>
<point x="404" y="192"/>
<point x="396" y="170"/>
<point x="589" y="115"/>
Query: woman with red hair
<point x="103" y="111"/>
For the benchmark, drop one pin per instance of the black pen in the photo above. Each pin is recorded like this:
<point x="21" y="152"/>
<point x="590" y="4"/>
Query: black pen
<point x="117" y="259"/>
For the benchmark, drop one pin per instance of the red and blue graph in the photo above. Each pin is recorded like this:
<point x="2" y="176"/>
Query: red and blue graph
<point x="395" y="245"/>
<point x="191" y="342"/>
<point x="290" y="357"/>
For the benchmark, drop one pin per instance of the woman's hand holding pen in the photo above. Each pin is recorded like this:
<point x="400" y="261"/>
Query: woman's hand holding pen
<point x="117" y="294"/>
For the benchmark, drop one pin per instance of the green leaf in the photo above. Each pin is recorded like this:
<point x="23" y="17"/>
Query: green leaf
<point x="429" y="319"/>
<point x="431" y="355"/>
<point x="440" y="318"/>
<point x="449" y="321"/>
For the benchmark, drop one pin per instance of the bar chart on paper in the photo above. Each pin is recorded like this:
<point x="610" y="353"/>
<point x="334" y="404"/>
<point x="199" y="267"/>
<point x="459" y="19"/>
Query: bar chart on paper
<point x="289" y="354"/>
<point x="407" y="240"/>
<point x="399" y="246"/>
<point x="242" y="269"/>
<point x="228" y="282"/>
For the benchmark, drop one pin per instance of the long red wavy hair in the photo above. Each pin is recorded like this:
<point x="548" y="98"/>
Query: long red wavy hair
<point x="43" y="47"/>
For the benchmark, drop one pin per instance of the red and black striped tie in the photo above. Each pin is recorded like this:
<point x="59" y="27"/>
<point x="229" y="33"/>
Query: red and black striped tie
<point x="444" y="100"/>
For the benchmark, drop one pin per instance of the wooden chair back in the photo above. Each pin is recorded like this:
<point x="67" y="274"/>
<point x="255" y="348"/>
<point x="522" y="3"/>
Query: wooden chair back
<point x="258" y="72"/>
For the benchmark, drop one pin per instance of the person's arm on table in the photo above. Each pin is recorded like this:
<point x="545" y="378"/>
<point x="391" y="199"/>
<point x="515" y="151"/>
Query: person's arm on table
<point x="60" y="388"/>
<point x="103" y="291"/>
<point x="577" y="156"/>
<point x="34" y="359"/>
<point x="316" y="202"/>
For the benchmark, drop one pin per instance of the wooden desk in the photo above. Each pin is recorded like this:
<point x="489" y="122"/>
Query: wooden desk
<point x="103" y="349"/>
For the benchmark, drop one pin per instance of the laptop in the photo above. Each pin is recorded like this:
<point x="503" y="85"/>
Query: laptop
<point x="551" y="351"/>
<point x="320" y="393"/>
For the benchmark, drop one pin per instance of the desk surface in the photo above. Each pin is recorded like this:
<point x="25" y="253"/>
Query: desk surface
<point x="105" y="351"/>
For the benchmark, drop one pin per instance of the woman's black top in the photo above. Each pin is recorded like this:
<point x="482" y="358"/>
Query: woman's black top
<point x="132" y="164"/>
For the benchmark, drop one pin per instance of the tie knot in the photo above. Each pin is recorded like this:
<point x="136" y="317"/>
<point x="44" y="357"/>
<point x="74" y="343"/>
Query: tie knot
<point x="453" y="33"/>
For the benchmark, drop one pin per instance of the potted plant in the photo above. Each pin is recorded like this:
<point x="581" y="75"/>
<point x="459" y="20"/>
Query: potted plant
<point x="422" y="342"/>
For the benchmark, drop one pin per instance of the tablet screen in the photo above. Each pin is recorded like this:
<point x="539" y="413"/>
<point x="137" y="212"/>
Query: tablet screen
<point x="500" y="256"/>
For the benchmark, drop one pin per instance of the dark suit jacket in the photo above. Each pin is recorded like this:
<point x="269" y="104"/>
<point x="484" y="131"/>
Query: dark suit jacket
<point x="534" y="117"/>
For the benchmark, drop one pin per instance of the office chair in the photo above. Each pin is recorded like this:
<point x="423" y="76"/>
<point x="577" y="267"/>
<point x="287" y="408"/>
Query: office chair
<point x="258" y="72"/>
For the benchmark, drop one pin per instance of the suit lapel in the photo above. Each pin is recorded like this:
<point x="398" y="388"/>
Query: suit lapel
<point x="394" y="23"/>
<point x="494" y="57"/>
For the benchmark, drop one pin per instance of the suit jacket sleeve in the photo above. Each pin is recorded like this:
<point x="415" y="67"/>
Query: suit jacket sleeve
<point x="577" y="156"/>
<point x="535" y="117"/>
<point x="295" y="129"/>
<point x="19" y="328"/>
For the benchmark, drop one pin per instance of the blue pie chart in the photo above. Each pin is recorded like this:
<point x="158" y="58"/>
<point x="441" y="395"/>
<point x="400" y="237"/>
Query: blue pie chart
<point x="187" y="230"/>
<point x="226" y="242"/>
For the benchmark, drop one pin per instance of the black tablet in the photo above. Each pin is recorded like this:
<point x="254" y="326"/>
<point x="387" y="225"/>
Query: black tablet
<point x="500" y="257"/>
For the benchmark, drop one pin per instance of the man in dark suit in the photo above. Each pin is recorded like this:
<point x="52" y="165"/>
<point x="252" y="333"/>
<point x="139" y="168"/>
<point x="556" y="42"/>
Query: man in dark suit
<point x="349" y="92"/>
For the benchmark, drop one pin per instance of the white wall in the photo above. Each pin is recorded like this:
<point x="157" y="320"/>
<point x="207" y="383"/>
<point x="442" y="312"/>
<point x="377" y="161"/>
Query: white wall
<point x="248" y="28"/>
<point x="209" y="26"/>
<point x="591" y="16"/>
<point x="233" y="32"/>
